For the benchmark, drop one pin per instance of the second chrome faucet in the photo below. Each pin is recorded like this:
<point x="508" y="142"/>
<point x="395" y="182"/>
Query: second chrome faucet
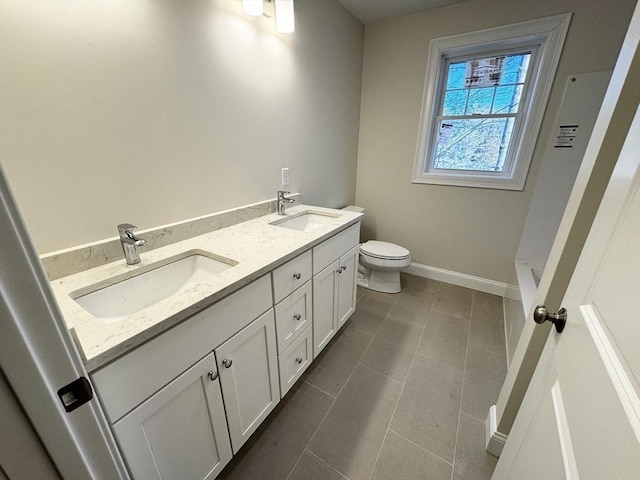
<point x="282" y="201"/>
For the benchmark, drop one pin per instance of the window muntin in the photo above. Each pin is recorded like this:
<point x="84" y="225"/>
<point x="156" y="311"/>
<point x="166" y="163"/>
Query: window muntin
<point x="479" y="102"/>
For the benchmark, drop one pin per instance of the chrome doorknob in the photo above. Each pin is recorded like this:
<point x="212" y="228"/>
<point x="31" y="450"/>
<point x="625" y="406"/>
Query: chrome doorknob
<point x="227" y="362"/>
<point x="541" y="315"/>
<point x="213" y="375"/>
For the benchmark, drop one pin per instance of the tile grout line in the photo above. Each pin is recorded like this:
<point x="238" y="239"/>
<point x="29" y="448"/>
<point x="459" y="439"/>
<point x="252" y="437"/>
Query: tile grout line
<point x="464" y="373"/>
<point x="395" y="380"/>
<point x="332" y="405"/>
<point x="330" y="466"/>
<point x="373" y="469"/>
<point x="404" y="384"/>
<point x="422" y="448"/>
<point x="319" y="389"/>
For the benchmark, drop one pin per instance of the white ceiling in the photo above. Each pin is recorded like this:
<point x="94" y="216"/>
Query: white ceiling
<point x="374" y="10"/>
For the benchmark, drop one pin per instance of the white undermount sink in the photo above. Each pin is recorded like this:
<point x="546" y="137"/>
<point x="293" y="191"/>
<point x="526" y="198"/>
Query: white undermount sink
<point x="124" y="295"/>
<point x="306" y="221"/>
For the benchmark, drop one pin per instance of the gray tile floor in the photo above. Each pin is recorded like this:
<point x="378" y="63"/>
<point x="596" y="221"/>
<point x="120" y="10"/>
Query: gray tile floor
<point x="400" y="393"/>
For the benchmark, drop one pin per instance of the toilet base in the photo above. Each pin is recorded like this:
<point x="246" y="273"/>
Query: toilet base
<point x="380" y="281"/>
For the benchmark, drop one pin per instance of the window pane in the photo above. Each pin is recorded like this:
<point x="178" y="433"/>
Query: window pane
<point x="455" y="102"/>
<point x="484" y="72"/>
<point x="515" y="68"/>
<point x="480" y="101"/>
<point x="455" y="75"/>
<point x="507" y="99"/>
<point x="473" y="144"/>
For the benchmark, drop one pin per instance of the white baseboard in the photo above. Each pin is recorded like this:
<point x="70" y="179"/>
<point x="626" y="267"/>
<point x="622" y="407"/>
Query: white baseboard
<point x="494" y="439"/>
<point x="460" y="279"/>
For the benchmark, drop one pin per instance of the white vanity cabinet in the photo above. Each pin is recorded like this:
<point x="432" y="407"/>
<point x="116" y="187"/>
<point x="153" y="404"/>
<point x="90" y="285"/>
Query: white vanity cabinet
<point x="181" y="431"/>
<point x="248" y="367"/>
<point x="166" y="400"/>
<point x="335" y="269"/>
<point x="183" y="402"/>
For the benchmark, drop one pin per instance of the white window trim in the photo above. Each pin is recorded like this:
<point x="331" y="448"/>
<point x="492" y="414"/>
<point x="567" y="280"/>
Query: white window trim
<point x="549" y="33"/>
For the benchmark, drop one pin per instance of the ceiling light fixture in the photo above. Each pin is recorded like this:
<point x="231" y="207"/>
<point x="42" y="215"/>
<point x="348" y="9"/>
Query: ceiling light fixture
<point x="255" y="8"/>
<point x="284" y="14"/>
<point x="285" y="19"/>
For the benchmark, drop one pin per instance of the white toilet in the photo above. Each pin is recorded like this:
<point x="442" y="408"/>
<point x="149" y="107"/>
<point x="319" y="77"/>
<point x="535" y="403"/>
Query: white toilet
<point x="380" y="265"/>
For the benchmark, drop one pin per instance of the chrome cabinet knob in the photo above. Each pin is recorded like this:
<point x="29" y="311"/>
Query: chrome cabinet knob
<point x="212" y="375"/>
<point x="541" y="315"/>
<point x="227" y="362"/>
<point x="299" y="360"/>
<point x="297" y="316"/>
<point x="297" y="276"/>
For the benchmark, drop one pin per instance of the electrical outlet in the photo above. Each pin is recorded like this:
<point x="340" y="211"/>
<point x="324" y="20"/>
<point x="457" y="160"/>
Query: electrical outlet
<point x="285" y="177"/>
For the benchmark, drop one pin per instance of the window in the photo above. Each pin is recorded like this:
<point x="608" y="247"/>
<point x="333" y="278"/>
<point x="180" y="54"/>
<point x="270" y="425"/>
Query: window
<point x="485" y="95"/>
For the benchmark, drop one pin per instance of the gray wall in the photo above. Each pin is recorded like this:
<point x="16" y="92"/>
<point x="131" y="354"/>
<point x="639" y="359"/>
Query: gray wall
<point x="467" y="230"/>
<point x="156" y="111"/>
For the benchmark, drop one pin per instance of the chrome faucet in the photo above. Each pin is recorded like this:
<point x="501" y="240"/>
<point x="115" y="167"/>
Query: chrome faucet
<point x="282" y="200"/>
<point x="130" y="243"/>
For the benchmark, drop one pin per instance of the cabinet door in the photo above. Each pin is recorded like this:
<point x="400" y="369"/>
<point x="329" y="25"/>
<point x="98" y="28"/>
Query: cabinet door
<point x="347" y="279"/>
<point x="181" y="431"/>
<point x="248" y="366"/>
<point x="324" y="306"/>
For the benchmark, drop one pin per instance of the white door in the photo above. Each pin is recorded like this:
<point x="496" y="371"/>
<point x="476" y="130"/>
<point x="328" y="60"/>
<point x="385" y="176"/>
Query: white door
<point x="38" y="357"/>
<point x="581" y="415"/>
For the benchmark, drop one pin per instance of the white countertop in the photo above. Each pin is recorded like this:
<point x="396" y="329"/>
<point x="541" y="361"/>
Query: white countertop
<point x="257" y="247"/>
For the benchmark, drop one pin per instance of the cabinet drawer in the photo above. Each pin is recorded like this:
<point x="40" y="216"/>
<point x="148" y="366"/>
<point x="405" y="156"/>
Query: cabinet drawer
<point x="334" y="247"/>
<point x="132" y="378"/>
<point x="291" y="275"/>
<point x="295" y="360"/>
<point x="293" y="316"/>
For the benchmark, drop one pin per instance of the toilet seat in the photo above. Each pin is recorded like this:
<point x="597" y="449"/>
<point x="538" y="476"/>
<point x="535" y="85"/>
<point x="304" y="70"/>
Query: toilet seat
<point x="384" y="250"/>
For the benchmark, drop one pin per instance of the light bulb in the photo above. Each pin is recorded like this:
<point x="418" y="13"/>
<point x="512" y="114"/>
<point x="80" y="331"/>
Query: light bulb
<point x="285" y="19"/>
<point x="253" y="7"/>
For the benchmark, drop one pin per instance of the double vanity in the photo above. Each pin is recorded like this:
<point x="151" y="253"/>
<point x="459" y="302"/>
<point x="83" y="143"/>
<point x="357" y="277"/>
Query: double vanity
<point x="191" y="349"/>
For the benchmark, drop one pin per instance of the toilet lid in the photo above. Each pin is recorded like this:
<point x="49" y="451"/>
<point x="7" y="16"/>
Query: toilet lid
<point x="378" y="249"/>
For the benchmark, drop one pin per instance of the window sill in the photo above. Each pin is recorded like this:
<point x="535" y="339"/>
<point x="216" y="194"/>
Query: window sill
<point x="470" y="180"/>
